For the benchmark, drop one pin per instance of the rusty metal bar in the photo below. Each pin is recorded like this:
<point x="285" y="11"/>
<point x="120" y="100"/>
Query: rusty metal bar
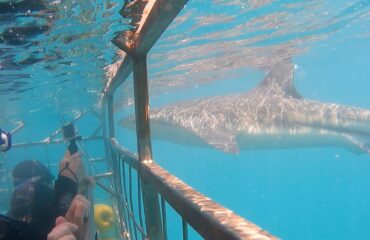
<point x="154" y="20"/>
<point x="156" y="17"/>
<point x="144" y="146"/>
<point x="160" y="16"/>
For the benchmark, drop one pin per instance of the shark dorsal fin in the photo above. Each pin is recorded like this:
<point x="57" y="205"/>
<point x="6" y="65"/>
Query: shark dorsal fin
<point x="279" y="80"/>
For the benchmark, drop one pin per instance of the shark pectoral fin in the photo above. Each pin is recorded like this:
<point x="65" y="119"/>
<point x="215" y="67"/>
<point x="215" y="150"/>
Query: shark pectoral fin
<point x="220" y="140"/>
<point x="360" y="143"/>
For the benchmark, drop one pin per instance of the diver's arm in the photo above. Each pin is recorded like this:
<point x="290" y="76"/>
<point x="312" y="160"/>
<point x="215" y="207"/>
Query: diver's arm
<point x="70" y="175"/>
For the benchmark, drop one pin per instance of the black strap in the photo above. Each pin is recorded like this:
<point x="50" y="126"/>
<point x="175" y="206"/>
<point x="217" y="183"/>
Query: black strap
<point x="68" y="169"/>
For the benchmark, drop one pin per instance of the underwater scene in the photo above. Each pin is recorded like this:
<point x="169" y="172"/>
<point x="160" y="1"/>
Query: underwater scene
<point x="262" y="106"/>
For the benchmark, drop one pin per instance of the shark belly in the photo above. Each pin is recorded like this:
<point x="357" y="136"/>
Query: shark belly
<point x="164" y="131"/>
<point x="284" y="140"/>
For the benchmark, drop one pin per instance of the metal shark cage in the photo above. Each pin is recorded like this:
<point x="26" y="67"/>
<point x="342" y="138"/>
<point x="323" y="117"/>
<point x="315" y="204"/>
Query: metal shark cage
<point x="137" y="188"/>
<point x="156" y="188"/>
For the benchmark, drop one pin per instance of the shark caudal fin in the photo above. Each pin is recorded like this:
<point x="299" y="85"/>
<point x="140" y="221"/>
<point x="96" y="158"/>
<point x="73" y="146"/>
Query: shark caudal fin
<point x="280" y="81"/>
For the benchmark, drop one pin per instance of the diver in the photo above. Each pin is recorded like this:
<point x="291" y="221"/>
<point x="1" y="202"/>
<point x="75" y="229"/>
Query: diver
<point x="36" y="206"/>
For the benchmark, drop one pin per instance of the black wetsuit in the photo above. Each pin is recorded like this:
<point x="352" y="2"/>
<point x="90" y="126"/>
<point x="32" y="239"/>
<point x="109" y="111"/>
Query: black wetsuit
<point x="47" y="206"/>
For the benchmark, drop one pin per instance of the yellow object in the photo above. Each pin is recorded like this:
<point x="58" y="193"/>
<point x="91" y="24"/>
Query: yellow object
<point x="103" y="217"/>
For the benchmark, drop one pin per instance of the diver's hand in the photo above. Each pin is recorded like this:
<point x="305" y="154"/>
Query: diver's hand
<point x="63" y="230"/>
<point x="75" y="164"/>
<point x="78" y="213"/>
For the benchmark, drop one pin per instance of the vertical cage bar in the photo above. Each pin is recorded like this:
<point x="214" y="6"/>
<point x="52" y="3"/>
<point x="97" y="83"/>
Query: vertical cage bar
<point x="144" y="144"/>
<point x="117" y="184"/>
<point x="114" y="164"/>
<point x="112" y="159"/>
<point x="184" y="229"/>
<point x="125" y="198"/>
<point x="139" y="202"/>
<point x="110" y="116"/>
<point x="131" y="202"/>
<point x="150" y="195"/>
<point x="164" y="217"/>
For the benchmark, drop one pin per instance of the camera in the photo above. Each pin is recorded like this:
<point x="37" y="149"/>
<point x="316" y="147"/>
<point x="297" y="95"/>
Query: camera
<point x="69" y="134"/>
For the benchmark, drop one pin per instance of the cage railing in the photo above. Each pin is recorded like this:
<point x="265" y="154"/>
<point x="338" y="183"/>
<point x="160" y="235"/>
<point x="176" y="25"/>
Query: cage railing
<point x="209" y="219"/>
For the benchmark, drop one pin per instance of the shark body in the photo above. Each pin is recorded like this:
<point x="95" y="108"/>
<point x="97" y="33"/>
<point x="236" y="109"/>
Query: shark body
<point x="272" y="115"/>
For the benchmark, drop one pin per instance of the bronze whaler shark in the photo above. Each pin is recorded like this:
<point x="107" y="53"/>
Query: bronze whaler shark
<point x="272" y="115"/>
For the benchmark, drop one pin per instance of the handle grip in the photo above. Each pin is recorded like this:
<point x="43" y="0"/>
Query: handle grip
<point x="72" y="148"/>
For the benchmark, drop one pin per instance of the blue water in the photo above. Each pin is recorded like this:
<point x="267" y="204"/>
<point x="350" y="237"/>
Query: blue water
<point x="312" y="193"/>
<point x="213" y="48"/>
